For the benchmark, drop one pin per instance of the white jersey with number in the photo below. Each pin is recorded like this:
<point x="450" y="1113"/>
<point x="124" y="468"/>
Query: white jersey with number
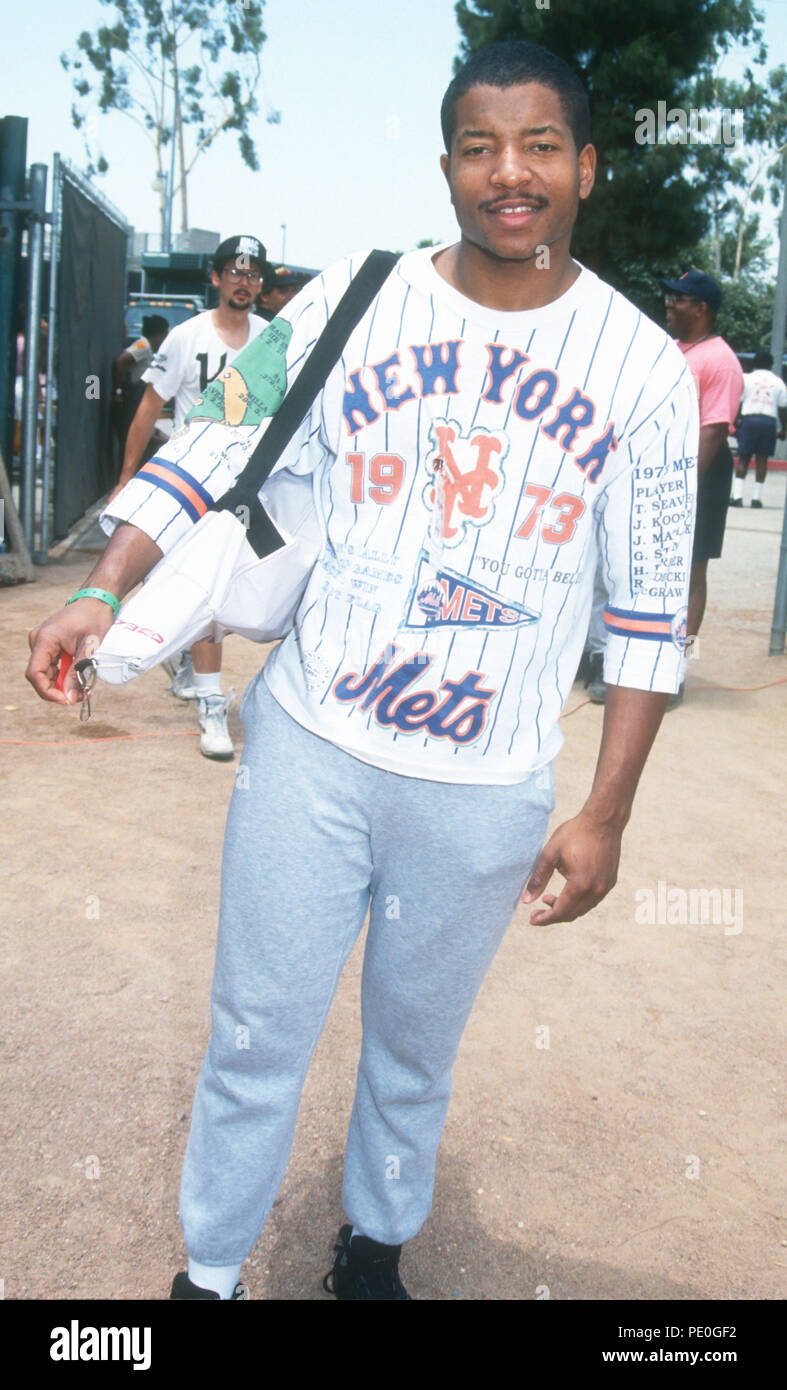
<point x="468" y="464"/>
<point x="191" y="356"/>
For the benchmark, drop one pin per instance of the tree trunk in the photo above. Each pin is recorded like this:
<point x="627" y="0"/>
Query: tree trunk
<point x="716" y="235"/>
<point x="739" y="247"/>
<point x="184" y="209"/>
<point x="177" y="132"/>
<point x="159" y="162"/>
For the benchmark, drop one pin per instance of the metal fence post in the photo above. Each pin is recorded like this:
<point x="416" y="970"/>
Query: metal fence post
<point x="49" y="442"/>
<point x="13" y="160"/>
<point x="777" y="349"/>
<point x="780" y="602"/>
<point x="35" y="251"/>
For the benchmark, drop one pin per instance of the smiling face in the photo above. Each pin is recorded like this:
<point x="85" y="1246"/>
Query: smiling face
<point x="687" y="318"/>
<point x="514" y="173"/>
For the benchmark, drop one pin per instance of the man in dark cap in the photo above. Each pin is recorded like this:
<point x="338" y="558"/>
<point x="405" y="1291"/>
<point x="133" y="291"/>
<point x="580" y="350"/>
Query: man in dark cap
<point x="280" y="284"/>
<point x="192" y="356"/>
<point x="692" y="303"/>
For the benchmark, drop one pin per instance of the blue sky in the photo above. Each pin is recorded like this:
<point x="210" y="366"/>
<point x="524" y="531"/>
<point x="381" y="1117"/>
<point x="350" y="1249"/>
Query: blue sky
<point x="354" y="161"/>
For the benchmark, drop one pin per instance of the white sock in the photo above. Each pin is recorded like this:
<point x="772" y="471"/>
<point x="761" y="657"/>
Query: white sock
<point x="757" y="494"/>
<point x="221" y="1280"/>
<point x="737" y="489"/>
<point x="207" y="685"/>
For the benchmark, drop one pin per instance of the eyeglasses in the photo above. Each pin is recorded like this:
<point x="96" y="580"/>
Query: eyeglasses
<point x="253" y="277"/>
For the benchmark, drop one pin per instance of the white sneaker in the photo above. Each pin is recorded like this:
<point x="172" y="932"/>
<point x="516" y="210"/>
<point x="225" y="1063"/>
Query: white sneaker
<point x="171" y="665"/>
<point x="182" y="687"/>
<point x="215" y="741"/>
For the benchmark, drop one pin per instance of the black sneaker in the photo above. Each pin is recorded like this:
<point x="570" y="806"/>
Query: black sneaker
<point x="363" y="1268"/>
<point x="757" y="503"/>
<point x="735" y="502"/>
<point x="182" y="1287"/>
<point x="594" y="684"/>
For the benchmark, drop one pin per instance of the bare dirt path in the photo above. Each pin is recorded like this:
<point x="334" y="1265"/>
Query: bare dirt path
<point x="613" y="1127"/>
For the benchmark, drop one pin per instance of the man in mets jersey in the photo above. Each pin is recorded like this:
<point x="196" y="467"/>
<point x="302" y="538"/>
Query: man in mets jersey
<point x="499" y="417"/>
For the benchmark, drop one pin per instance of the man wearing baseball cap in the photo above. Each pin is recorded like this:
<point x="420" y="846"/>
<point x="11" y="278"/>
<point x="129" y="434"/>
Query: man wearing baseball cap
<point x="691" y="304"/>
<point x="191" y="356"/>
<point x="280" y="284"/>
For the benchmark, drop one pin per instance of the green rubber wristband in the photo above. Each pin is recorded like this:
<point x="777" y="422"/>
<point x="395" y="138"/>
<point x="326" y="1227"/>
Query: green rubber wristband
<point x="113" y="602"/>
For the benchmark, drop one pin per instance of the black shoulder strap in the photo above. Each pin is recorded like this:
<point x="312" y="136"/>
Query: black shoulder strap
<point x="262" y="534"/>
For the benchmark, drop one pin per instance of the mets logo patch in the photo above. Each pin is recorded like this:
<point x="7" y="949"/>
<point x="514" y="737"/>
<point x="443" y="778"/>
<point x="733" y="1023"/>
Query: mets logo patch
<point x="472" y="467"/>
<point x="440" y="597"/>
<point x="678" y="628"/>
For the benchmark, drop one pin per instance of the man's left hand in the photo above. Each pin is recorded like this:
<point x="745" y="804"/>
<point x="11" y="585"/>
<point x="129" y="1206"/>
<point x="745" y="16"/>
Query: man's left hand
<point x="587" y="853"/>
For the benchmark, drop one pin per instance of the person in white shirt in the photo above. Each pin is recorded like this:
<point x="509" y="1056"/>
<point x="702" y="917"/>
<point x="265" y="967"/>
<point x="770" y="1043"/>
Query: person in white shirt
<point x="499" y="417"/>
<point x="763" y="410"/>
<point x="187" y="361"/>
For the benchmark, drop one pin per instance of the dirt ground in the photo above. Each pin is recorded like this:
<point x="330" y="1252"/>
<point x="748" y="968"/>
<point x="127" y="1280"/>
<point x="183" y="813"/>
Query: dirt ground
<point x="634" y="1156"/>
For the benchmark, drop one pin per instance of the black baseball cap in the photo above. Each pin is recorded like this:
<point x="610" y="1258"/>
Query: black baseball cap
<point x="698" y="285"/>
<point x="281" y="277"/>
<point x="249" y="247"/>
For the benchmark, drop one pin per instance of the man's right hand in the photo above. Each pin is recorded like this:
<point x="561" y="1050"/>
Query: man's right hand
<point x="78" y="630"/>
<point x="80" y="627"/>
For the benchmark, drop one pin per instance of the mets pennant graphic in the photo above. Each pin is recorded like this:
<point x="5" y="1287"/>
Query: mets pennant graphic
<point x="442" y="598"/>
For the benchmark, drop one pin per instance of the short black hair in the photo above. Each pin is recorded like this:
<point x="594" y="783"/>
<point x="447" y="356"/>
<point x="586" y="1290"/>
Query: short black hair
<point x="763" y="358"/>
<point x="154" y="323"/>
<point x="509" y="64"/>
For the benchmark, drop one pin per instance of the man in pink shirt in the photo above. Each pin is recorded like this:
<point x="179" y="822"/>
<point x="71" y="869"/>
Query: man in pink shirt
<point x="692" y="303"/>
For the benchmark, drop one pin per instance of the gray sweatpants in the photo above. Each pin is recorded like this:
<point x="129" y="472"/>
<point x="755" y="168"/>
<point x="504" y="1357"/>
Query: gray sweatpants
<point x="314" y="838"/>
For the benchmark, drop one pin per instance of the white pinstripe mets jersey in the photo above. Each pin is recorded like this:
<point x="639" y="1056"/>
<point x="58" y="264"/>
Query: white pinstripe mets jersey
<point x="468" y="465"/>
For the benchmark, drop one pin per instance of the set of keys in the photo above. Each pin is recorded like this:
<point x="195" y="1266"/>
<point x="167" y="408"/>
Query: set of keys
<point x="86" y="679"/>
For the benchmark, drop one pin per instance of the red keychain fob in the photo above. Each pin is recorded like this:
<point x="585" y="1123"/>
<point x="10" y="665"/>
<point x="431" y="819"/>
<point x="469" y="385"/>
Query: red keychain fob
<point x="65" y="665"/>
